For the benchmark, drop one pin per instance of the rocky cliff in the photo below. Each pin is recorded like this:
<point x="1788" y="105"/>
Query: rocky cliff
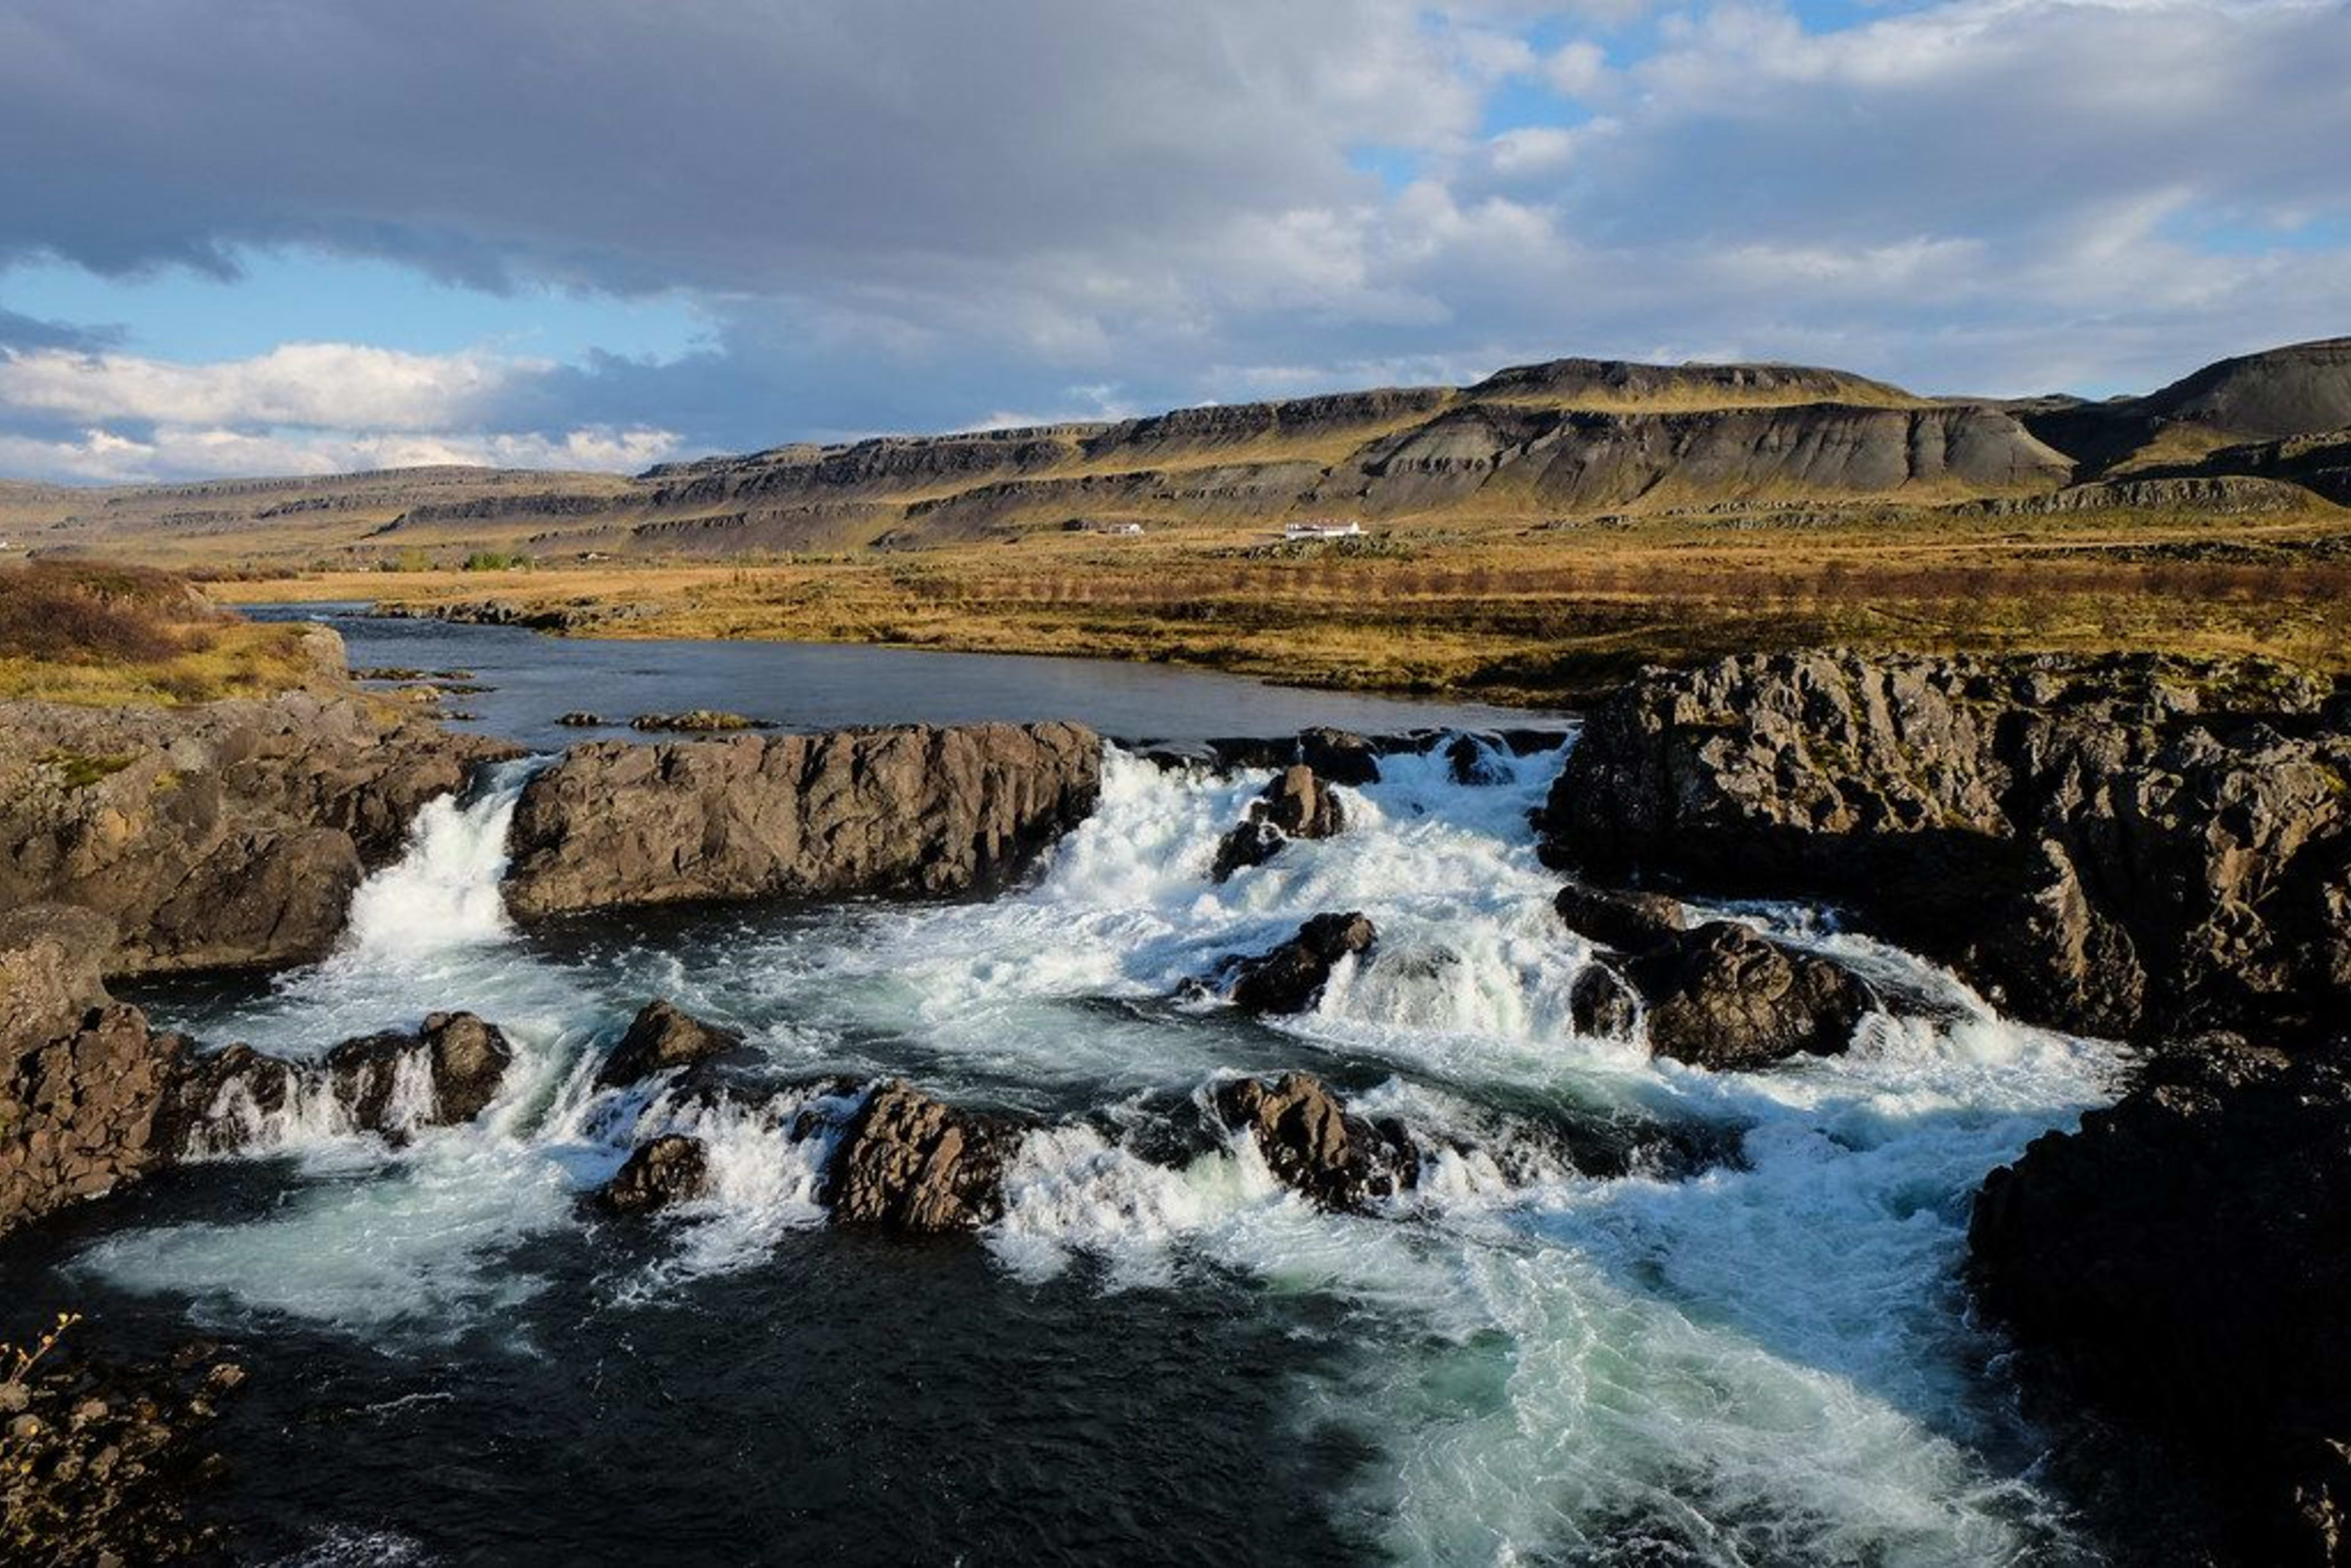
<point x="2122" y="846"/>
<point x="231" y="834"/>
<point x="913" y="810"/>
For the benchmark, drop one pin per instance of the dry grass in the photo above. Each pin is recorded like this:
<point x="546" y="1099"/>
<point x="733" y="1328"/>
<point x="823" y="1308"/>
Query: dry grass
<point x="1536" y="618"/>
<point x="102" y="635"/>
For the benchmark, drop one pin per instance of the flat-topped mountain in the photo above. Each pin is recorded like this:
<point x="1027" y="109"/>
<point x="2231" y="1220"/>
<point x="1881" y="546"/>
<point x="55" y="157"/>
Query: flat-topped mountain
<point x="1528" y="446"/>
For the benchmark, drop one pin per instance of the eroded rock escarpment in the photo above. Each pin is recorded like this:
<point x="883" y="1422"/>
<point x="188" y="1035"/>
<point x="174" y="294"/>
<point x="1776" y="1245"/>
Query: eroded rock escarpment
<point x="2130" y="847"/>
<point x="909" y="809"/>
<point x="232" y="834"/>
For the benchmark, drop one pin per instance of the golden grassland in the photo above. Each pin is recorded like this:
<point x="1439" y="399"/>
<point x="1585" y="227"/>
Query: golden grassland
<point x="1509" y="614"/>
<point x="103" y="636"/>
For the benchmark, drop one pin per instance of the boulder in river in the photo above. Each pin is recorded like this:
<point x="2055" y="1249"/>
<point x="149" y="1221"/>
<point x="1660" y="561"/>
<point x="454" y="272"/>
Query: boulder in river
<point x="2123" y="846"/>
<point x="660" y="1174"/>
<point x="391" y="1084"/>
<point x="1722" y="996"/>
<point x="1297" y="805"/>
<point x="1312" y="1145"/>
<point x="911" y="1163"/>
<point x="1627" y="922"/>
<point x="1601" y="1006"/>
<point x="662" y="1037"/>
<point x="1291" y="977"/>
<point x="698" y="721"/>
<point x="911" y="809"/>
<point x="2184" y="1262"/>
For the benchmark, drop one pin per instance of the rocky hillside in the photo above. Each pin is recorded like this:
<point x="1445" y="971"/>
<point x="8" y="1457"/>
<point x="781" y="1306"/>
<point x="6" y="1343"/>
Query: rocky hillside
<point x="1528" y="445"/>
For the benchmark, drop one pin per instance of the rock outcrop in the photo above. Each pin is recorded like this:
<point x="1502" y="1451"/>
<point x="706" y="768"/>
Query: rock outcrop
<point x="1312" y="1145"/>
<point x="910" y="1163"/>
<point x="80" y="1110"/>
<point x="1601" y="1006"/>
<point x="1291" y="977"/>
<point x="231" y="834"/>
<point x="1722" y="996"/>
<point x="392" y="1085"/>
<point x="660" y="1174"/>
<point x="913" y="810"/>
<point x="2182" y="1261"/>
<point x="1297" y="805"/>
<point x="661" y="1038"/>
<point x="2129" y="846"/>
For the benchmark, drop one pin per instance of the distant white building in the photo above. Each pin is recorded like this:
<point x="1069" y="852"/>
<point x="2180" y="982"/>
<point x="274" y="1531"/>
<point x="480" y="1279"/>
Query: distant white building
<point x="1323" y="530"/>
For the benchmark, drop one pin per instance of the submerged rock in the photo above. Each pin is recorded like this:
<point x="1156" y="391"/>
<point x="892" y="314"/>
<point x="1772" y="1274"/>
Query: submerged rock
<point x="1313" y="1147"/>
<point x="1340" y="755"/>
<point x="1291" y="977"/>
<point x="1472" y="762"/>
<point x="1628" y="922"/>
<point x="2184" y="1260"/>
<point x="1296" y="805"/>
<point x="581" y="718"/>
<point x="911" y="1163"/>
<point x="913" y="810"/>
<point x="1722" y="996"/>
<point x="661" y="1038"/>
<point x="2132" y="846"/>
<point x="669" y="1170"/>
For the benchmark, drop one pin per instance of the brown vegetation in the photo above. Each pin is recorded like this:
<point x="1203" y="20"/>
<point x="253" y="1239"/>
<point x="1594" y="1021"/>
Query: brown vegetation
<point x="99" y="632"/>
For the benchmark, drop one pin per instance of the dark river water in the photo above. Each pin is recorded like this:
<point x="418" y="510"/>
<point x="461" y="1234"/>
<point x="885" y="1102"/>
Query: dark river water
<point x="1158" y="1355"/>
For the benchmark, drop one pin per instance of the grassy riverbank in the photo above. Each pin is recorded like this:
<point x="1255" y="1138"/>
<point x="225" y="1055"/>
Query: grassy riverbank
<point x="1505" y="615"/>
<point x="105" y="635"/>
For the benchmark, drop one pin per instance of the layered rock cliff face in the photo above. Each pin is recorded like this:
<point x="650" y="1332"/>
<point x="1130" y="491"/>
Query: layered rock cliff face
<point x="2125" y="847"/>
<point x="1582" y="461"/>
<point x="227" y="835"/>
<point x="915" y="810"/>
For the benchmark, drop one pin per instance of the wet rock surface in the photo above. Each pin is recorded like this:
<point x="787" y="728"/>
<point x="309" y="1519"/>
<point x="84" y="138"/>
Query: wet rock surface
<point x="226" y="835"/>
<point x="662" y="1037"/>
<point x="1313" y="1147"/>
<point x="391" y="1084"/>
<point x="911" y="1163"/>
<point x="101" y="1462"/>
<point x="1290" y="978"/>
<point x="1601" y="1005"/>
<point x="661" y="1174"/>
<point x="912" y="809"/>
<point x="1627" y="922"/>
<point x="2132" y="846"/>
<point x="1297" y="805"/>
<point x="701" y="720"/>
<point x="1722" y="996"/>
<point x="2183" y="1262"/>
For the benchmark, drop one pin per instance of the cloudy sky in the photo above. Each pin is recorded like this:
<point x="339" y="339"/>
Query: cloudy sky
<point x="277" y="235"/>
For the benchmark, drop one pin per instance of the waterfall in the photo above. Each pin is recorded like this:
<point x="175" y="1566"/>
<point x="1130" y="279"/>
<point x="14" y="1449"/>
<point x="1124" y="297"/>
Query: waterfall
<point x="444" y="891"/>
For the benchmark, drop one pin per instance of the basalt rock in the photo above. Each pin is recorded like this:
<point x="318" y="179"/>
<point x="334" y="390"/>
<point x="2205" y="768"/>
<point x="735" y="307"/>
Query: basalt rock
<point x="661" y="1038"/>
<point x="665" y="1172"/>
<point x="79" y="1110"/>
<point x="1473" y="762"/>
<point x="910" y="1163"/>
<point x="1601" y="1006"/>
<point x="1627" y="922"/>
<point x="230" y="834"/>
<point x="1723" y="997"/>
<point x="1312" y="1145"/>
<point x="391" y="1084"/>
<point x="581" y="718"/>
<point x="913" y="810"/>
<point x="1297" y="805"/>
<point x="701" y="720"/>
<point x="2126" y="845"/>
<point x="1291" y="977"/>
<point x="2184" y="1262"/>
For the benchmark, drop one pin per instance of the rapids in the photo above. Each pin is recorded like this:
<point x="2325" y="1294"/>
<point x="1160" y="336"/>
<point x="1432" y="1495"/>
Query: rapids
<point x="1759" y="1360"/>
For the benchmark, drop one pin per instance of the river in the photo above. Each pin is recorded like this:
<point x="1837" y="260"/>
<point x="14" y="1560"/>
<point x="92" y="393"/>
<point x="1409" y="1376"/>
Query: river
<point x="1158" y="1355"/>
